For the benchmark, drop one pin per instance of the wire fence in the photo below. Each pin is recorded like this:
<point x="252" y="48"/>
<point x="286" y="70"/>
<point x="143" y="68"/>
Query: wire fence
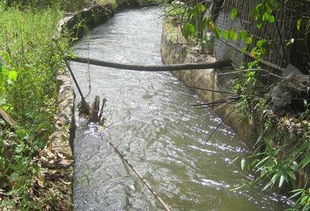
<point x="282" y="50"/>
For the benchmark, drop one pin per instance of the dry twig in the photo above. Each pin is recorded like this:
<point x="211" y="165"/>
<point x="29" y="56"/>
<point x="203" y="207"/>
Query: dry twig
<point x="7" y="118"/>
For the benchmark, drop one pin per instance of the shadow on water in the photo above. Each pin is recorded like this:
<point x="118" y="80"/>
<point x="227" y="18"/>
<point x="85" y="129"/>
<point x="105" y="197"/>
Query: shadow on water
<point x="149" y="118"/>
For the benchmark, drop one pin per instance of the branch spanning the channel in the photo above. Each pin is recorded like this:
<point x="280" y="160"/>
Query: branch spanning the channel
<point x="152" y="68"/>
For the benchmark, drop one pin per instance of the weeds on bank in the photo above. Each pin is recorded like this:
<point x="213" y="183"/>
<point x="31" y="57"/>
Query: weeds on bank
<point x="276" y="158"/>
<point x="29" y="60"/>
<point x="65" y="5"/>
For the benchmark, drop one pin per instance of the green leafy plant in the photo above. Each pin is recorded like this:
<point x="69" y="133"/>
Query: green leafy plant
<point x="303" y="199"/>
<point x="193" y="28"/>
<point x="7" y="78"/>
<point x="30" y="59"/>
<point x="275" y="159"/>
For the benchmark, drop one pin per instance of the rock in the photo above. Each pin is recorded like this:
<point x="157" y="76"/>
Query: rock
<point x="294" y="78"/>
<point x="280" y="97"/>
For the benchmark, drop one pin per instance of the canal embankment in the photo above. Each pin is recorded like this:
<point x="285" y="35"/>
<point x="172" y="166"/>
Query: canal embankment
<point x="149" y="118"/>
<point x="258" y="122"/>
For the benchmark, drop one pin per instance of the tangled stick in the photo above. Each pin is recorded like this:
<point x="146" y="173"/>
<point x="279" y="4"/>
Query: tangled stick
<point x="7" y="118"/>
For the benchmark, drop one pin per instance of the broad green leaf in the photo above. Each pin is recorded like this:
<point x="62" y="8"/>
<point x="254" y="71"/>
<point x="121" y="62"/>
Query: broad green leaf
<point x="188" y="30"/>
<point x="261" y="161"/>
<point x="200" y="8"/>
<point x="233" y="35"/>
<point x="296" y="192"/>
<point x="264" y="16"/>
<point x="226" y="34"/>
<point x="243" y="50"/>
<point x="4" y="72"/>
<point x="5" y="107"/>
<point x="271" y="19"/>
<point x="242" y="163"/>
<point x="19" y="149"/>
<point x="249" y="40"/>
<point x="268" y="17"/>
<point x="217" y="32"/>
<point x="291" y="41"/>
<point x="233" y="13"/>
<point x="2" y="101"/>
<point x="305" y="102"/>
<point x="12" y="75"/>
<point x="281" y="181"/>
<point x="271" y="182"/>
<point x="292" y="175"/>
<point x="259" y="26"/>
<point x="304" y="200"/>
<point x="267" y="185"/>
<point x="304" y="162"/>
<point x="299" y="190"/>
<point x="298" y="24"/>
<point x="260" y="43"/>
<point x="243" y="35"/>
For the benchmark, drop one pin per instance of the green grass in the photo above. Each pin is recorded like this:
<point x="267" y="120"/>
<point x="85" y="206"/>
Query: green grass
<point x="66" y="5"/>
<point x="30" y="58"/>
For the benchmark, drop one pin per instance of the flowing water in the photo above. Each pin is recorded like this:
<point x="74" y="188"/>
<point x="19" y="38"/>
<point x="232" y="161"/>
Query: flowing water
<point x="150" y="119"/>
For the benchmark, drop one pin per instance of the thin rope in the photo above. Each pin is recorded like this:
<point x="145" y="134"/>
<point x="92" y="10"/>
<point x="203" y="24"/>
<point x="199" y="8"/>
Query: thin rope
<point x="88" y="70"/>
<point x="164" y="205"/>
<point x="218" y="126"/>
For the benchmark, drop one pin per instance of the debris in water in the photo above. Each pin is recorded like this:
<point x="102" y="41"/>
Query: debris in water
<point x="93" y="112"/>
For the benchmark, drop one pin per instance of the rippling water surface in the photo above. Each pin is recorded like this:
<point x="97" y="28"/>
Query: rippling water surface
<point x="150" y="119"/>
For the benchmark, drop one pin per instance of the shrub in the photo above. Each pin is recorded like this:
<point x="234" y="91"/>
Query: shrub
<point x="30" y="58"/>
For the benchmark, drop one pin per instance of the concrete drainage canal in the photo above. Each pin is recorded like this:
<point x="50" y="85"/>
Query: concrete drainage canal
<point x="150" y="120"/>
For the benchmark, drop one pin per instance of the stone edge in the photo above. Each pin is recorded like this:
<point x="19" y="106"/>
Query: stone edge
<point x="58" y="152"/>
<point x="175" y="50"/>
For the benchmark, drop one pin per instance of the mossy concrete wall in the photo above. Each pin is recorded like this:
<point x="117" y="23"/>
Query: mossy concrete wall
<point x="176" y="50"/>
<point x="79" y="23"/>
